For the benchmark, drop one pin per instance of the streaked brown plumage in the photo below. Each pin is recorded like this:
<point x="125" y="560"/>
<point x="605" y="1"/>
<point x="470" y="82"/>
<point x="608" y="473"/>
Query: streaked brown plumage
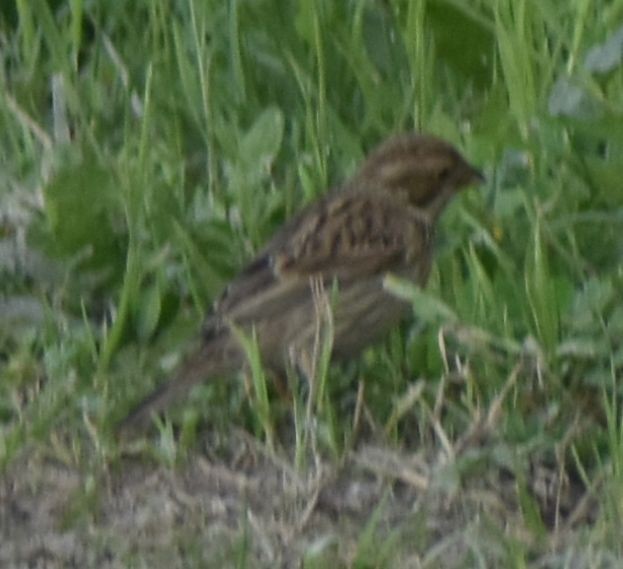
<point x="379" y="221"/>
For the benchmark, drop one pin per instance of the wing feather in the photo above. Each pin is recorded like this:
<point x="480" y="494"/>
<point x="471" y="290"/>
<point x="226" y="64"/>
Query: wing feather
<point x="347" y="236"/>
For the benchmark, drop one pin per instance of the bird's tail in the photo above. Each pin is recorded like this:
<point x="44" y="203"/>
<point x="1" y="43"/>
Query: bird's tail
<point x="219" y="356"/>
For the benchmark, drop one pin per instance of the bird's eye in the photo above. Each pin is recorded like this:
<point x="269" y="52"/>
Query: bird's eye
<point x="444" y="173"/>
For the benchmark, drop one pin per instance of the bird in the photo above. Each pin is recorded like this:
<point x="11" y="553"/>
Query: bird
<point x="380" y="221"/>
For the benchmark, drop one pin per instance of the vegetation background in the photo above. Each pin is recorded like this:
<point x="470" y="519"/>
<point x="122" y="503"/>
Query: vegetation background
<point x="149" y="148"/>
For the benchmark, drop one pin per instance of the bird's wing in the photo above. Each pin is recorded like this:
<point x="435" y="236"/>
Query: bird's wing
<point x="347" y="236"/>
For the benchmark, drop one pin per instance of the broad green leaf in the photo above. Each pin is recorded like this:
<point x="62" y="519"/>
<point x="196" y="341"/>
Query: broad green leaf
<point x="148" y="310"/>
<point x="427" y="306"/>
<point x="261" y="143"/>
<point x="85" y="215"/>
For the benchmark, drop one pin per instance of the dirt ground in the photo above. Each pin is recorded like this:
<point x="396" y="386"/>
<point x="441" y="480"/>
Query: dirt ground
<point x="252" y="509"/>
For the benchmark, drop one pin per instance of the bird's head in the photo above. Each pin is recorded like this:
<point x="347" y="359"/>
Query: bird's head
<point x="426" y="170"/>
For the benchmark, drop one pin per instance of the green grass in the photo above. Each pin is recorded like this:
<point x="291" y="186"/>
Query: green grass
<point x="148" y="149"/>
